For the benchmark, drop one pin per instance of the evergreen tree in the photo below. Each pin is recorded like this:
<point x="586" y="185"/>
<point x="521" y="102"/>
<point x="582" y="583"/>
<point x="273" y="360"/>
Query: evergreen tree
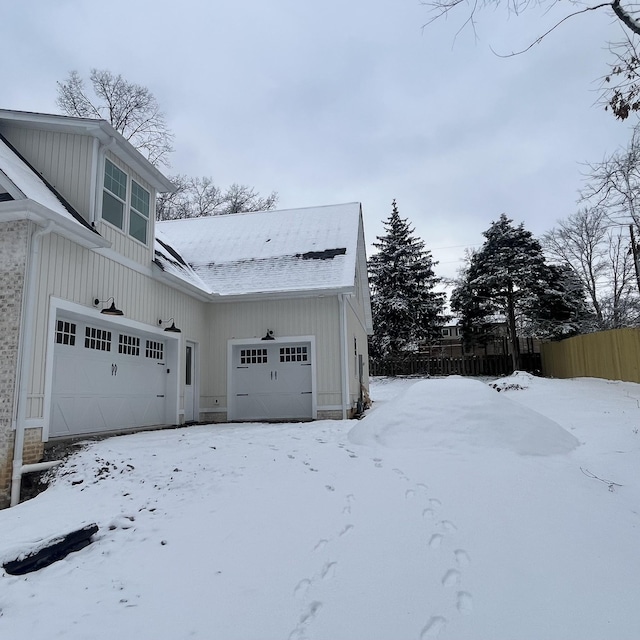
<point x="509" y="276"/>
<point x="406" y="309"/>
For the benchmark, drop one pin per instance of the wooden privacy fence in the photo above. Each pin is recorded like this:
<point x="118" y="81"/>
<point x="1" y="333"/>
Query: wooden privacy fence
<point x="613" y="355"/>
<point x="472" y="365"/>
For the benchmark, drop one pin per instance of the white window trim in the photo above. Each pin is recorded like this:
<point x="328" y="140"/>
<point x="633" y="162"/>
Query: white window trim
<point x="126" y="214"/>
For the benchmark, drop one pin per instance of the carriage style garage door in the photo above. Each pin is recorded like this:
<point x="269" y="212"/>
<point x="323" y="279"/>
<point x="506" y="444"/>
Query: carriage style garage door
<point x="105" y="378"/>
<point x="272" y="381"/>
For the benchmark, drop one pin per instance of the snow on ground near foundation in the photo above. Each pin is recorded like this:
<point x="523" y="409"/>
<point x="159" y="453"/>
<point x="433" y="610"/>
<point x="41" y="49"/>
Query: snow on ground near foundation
<point x="452" y="511"/>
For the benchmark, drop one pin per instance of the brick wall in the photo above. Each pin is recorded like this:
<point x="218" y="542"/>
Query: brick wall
<point x="13" y="252"/>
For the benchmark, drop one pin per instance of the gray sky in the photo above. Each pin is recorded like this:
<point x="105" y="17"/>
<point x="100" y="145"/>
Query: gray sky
<point x="345" y="100"/>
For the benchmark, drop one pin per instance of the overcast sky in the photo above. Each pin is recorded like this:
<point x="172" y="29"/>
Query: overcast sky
<point x="347" y="100"/>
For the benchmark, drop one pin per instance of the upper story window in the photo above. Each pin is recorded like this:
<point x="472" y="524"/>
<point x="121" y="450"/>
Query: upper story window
<point x="114" y="197"/>
<point x="139" y="215"/>
<point x="125" y="204"/>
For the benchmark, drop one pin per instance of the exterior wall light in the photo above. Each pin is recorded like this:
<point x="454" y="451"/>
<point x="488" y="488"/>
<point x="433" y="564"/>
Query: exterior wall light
<point x="172" y="328"/>
<point x="110" y="311"/>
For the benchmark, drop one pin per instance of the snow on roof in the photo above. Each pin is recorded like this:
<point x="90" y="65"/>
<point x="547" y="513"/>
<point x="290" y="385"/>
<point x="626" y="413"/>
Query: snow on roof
<point x="170" y="261"/>
<point x="30" y="184"/>
<point x="309" y="249"/>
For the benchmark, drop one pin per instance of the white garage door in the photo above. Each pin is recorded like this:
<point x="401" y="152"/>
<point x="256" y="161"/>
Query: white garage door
<point x="105" y="378"/>
<point x="272" y="381"/>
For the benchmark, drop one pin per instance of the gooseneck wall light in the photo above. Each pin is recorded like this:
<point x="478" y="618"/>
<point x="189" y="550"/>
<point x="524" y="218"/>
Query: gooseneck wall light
<point x="172" y="328"/>
<point x="108" y="311"/>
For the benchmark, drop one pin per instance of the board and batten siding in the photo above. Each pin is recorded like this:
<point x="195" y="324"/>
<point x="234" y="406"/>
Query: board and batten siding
<point x="286" y="318"/>
<point x="120" y="240"/>
<point x="75" y="274"/>
<point x="65" y="161"/>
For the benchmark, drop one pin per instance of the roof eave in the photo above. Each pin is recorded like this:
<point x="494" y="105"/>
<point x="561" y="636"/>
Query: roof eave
<point x="100" y="129"/>
<point x="34" y="211"/>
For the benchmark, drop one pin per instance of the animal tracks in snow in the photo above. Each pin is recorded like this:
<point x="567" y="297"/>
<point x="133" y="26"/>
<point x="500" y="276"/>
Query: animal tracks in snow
<point x="311" y="586"/>
<point x="450" y="577"/>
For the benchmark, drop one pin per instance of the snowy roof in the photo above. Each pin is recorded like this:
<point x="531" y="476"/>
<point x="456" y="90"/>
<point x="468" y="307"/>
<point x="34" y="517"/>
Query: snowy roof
<point x="30" y="184"/>
<point x="311" y="249"/>
<point x="170" y="261"/>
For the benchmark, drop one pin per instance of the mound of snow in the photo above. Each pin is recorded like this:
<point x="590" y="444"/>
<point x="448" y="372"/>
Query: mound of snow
<point x="455" y="411"/>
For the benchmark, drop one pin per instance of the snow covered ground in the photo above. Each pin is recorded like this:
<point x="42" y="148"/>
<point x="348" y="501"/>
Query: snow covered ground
<point x="452" y="510"/>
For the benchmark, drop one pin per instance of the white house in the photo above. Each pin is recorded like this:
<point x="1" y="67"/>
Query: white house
<point x="112" y="322"/>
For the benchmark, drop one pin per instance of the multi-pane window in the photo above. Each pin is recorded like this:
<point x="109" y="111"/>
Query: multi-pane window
<point x="128" y="345"/>
<point x="293" y="354"/>
<point x="66" y="333"/>
<point x="125" y="203"/>
<point x="114" y="195"/>
<point x="154" y="350"/>
<point x="98" y="339"/>
<point x="139" y="212"/>
<point x="253" y="356"/>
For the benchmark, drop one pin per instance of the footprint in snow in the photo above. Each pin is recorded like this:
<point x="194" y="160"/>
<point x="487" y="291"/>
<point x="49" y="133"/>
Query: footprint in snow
<point x="328" y="570"/>
<point x="346" y="530"/>
<point x="301" y="588"/>
<point x="433" y="628"/>
<point x="435" y="540"/>
<point x="464" y="603"/>
<point x="409" y="494"/>
<point x="451" y="578"/>
<point x="462" y="557"/>
<point x="320" y="544"/>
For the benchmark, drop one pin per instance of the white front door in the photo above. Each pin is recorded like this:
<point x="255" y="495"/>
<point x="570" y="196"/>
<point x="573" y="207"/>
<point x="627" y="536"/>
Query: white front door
<point x="105" y="378"/>
<point x="190" y="382"/>
<point x="272" y="381"/>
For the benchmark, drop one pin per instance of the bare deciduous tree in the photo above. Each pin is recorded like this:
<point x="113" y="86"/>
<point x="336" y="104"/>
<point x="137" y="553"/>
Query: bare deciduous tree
<point x="199" y="197"/>
<point x="130" y="108"/>
<point x="598" y="254"/>
<point x="620" y="87"/>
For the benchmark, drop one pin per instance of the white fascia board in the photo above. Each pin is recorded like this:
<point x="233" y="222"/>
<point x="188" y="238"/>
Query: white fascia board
<point x="284" y="295"/>
<point x="181" y="285"/>
<point x="34" y="211"/>
<point x="100" y="129"/>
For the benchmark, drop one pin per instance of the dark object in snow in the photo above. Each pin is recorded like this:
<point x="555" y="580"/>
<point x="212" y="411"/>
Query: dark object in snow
<point x="55" y="550"/>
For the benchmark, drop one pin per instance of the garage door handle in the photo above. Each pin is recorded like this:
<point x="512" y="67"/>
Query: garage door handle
<point x="162" y="396"/>
<point x="305" y="392"/>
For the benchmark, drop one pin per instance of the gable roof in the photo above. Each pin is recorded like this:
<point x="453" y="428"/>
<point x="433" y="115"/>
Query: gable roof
<point x="97" y="128"/>
<point x="271" y="252"/>
<point x="21" y="181"/>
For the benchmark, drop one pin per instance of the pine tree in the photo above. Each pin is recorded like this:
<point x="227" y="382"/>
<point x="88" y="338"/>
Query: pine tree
<point x="509" y="276"/>
<point x="406" y="308"/>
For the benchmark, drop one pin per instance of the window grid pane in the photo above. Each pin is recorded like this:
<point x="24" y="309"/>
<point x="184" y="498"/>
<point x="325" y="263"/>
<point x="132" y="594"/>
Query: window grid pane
<point x="115" y="180"/>
<point x="139" y="199"/>
<point x="128" y="345"/>
<point x="66" y="333"/>
<point x="154" y="350"/>
<point x="253" y="356"/>
<point x="294" y="354"/>
<point x="98" y="339"/>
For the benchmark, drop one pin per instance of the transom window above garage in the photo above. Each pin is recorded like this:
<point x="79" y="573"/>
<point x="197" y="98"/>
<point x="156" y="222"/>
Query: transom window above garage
<point x="125" y="203"/>
<point x="253" y="356"/>
<point x="66" y="332"/>
<point x="294" y="354"/>
<point x="98" y="339"/>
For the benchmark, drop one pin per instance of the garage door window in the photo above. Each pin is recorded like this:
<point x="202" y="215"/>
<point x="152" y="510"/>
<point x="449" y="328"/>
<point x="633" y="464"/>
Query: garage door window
<point x="253" y="356"/>
<point x="293" y="354"/>
<point x="154" y="350"/>
<point x="66" y="333"/>
<point x="98" y="339"/>
<point x="128" y="345"/>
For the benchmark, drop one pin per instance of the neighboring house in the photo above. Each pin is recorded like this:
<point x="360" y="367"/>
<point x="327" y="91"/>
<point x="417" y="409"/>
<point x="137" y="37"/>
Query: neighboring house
<point x="111" y="321"/>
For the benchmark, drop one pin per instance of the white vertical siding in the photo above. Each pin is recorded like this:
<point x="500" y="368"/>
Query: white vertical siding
<point x="287" y="318"/>
<point x="63" y="159"/>
<point x="120" y="240"/>
<point x="79" y="275"/>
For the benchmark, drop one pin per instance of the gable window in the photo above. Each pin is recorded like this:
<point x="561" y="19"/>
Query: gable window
<point x="114" y="196"/>
<point x="125" y="204"/>
<point x="139" y="214"/>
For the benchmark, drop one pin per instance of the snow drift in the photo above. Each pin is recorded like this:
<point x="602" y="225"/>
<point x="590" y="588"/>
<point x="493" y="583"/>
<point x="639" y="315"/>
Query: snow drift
<point x="453" y="412"/>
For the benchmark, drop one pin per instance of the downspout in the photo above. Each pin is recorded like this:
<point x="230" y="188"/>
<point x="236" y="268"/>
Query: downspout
<point x="343" y="356"/>
<point x="25" y="368"/>
<point x="93" y="197"/>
